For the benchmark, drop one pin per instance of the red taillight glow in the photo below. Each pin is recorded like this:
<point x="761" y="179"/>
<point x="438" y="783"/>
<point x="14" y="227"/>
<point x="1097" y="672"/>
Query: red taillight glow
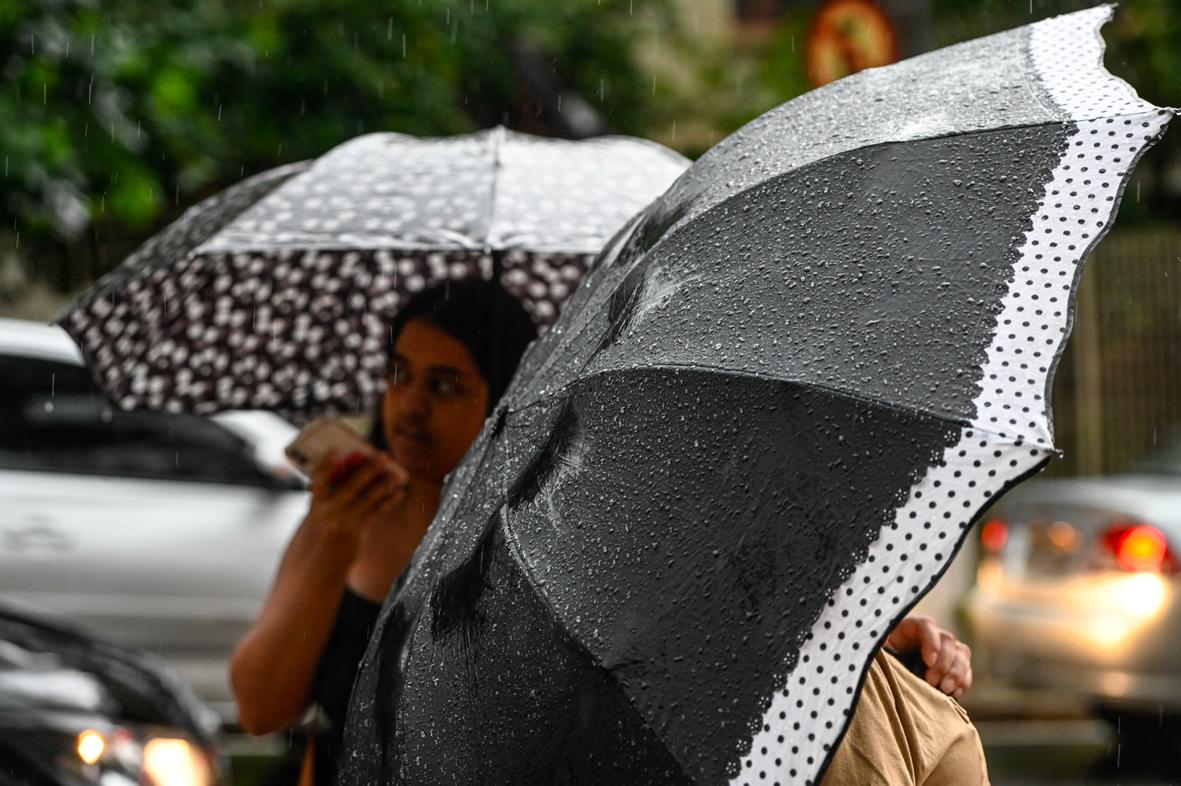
<point x="1140" y="548"/>
<point x="993" y="535"/>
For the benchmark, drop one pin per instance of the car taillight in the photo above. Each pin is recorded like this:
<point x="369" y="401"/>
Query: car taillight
<point x="993" y="535"/>
<point x="1139" y="548"/>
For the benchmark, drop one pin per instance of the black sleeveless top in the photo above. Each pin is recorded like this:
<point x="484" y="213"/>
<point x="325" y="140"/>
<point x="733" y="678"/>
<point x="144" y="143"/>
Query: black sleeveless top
<point x="333" y="683"/>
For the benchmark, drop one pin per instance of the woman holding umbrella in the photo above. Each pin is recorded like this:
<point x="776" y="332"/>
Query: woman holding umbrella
<point x="298" y="298"/>
<point x="454" y="349"/>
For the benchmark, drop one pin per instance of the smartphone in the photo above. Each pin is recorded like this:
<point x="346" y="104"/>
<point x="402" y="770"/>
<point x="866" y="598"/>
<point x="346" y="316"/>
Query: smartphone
<point x="321" y="439"/>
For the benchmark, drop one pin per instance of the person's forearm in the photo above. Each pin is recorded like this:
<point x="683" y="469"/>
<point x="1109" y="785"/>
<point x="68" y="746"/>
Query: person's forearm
<point x="275" y="663"/>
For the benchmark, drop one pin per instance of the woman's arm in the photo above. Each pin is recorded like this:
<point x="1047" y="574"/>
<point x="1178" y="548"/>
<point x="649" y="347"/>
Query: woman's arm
<point x="274" y="664"/>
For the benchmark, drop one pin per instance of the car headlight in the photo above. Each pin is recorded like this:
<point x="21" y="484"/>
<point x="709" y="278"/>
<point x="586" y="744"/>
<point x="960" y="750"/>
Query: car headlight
<point x="152" y="757"/>
<point x="175" y="762"/>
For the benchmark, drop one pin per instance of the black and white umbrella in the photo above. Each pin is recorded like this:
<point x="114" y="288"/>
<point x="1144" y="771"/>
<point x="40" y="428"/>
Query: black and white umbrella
<point x="277" y="293"/>
<point x="759" y="433"/>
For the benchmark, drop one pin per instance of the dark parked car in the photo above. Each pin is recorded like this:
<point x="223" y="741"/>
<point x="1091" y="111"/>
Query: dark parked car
<point x="77" y="711"/>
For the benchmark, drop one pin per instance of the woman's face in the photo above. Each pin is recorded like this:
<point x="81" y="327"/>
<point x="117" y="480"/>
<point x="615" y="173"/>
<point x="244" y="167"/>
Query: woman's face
<point x="435" y="401"/>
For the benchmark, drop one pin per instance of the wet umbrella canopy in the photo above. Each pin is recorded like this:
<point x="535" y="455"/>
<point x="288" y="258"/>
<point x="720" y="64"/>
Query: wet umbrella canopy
<point x="758" y="433"/>
<point x="277" y="293"/>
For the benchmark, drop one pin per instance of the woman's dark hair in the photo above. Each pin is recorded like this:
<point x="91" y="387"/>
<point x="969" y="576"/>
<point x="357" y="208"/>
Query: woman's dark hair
<point x="481" y="315"/>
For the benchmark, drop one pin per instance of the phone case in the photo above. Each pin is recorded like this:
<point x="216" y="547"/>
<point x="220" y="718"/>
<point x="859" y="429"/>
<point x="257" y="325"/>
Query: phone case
<point x="320" y="439"/>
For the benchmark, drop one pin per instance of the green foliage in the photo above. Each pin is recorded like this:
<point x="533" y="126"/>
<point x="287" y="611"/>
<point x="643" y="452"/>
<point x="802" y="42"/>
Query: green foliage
<point x="117" y="113"/>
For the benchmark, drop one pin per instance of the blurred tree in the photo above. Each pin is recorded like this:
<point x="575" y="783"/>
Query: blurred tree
<point x="117" y="114"/>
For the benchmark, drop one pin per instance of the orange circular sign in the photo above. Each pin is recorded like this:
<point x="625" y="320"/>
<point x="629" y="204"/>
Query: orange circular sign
<point x="846" y="36"/>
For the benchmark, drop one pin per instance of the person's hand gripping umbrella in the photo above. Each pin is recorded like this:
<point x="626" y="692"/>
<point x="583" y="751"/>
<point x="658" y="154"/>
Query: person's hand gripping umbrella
<point x="759" y="432"/>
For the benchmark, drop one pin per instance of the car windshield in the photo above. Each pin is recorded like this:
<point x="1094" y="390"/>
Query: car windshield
<point x="53" y="419"/>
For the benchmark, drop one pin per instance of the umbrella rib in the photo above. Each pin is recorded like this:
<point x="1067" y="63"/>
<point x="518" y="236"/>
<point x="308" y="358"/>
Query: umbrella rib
<point x="911" y="410"/>
<point x="495" y="140"/>
<point x="539" y="593"/>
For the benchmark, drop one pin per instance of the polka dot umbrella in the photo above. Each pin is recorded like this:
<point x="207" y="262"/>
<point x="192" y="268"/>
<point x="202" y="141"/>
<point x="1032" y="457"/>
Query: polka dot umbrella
<point x="759" y="432"/>
<point x="277" y="293"/>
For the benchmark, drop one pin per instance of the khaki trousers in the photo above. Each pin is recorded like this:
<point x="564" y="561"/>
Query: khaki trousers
<point x="906" y="733"/>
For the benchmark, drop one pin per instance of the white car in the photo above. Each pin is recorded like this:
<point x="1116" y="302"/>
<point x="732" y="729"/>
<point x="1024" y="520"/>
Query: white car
<point x="157" y="531"/>
<point x="1079" y="589"/>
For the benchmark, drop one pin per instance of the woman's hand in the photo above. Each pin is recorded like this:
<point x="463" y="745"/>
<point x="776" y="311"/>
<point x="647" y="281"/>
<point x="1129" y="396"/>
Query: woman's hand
<point x="274" y="665"/>
<point x="352" y="493"/>
<point x="948" y="660"/>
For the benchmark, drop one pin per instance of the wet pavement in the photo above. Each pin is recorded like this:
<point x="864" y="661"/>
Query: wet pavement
<point x="1069" y="752"/>
<point x="1033" y="737"/>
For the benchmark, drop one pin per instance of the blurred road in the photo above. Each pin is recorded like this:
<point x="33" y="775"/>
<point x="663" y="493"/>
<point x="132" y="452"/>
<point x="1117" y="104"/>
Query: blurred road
<point x="1066" y="753"/>
<point x="1035" y="738"/>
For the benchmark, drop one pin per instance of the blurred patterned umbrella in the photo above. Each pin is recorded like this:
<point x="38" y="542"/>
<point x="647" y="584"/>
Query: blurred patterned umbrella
<point x="276" y="294"/>
<point x="759" y="432"/>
